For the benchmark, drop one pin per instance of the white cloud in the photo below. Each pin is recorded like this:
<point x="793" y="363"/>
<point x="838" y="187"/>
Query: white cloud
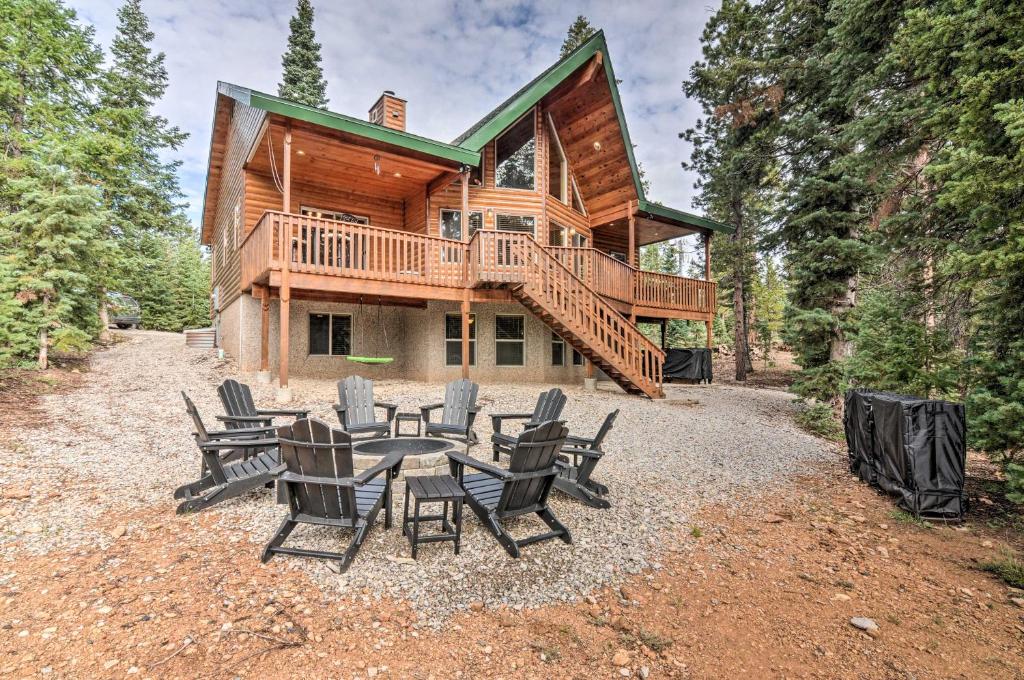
<point x="453" y="62"/>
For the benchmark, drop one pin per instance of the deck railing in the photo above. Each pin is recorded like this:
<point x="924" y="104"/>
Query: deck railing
<point x="348" y="249"/>
<point x="506" y="257"/>
<point x="617" y="280"/>
<point x="320" y="246"/>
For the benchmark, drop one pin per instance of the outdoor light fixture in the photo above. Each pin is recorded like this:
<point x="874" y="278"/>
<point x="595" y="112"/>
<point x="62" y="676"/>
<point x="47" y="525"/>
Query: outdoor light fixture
<point x="398" y="174"/>
<point x="376" y="164"/>
<point x="300" y="152"/>
<point x="597" y="146"/>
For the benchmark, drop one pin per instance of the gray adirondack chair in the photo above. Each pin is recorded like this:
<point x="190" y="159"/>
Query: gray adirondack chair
<point x="497" y="494"/>
<point x="574" y="476"/>
<point x="458" y="412"/>
<point x="355" y="408"/>
<point x="549" y="407"/>
<point x="241" y="411"/>
<point x="320" y="487"/>
<point x="233" y="462"/>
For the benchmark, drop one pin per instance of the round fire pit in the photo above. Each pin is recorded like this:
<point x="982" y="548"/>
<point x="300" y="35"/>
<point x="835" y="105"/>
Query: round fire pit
<point x="409" y="446"/>
<point x="421" y="455"/>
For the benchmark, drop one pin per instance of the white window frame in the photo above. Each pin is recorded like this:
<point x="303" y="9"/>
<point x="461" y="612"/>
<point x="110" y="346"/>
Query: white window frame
<point x="330" y="334"/>
<point x="576" y="188"/>
<point x="576" y="353"/>
<point x="498" y="341"/>
<point x="494" y="145"/>
<point x="335" y="215"/>
<point x="472" y="340"/>
<point x="466" y="235"/>
<point x="557" y="339"/>
<point x="565" y="233"/>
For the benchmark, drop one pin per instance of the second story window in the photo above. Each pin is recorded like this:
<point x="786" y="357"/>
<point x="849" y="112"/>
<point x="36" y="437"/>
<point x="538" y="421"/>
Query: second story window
<point x="514" y="156"/>
<point x="451" y="224"/>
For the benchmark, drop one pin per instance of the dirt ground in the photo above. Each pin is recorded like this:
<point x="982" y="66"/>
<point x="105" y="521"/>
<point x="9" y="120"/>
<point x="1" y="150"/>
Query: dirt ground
<point x="767" y="590"/>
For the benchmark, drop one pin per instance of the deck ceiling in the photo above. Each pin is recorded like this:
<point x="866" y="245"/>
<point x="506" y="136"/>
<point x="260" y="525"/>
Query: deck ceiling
<point x="331" y="159"/>
<point x="588" y="128"/>
<point x="648" y="231"/>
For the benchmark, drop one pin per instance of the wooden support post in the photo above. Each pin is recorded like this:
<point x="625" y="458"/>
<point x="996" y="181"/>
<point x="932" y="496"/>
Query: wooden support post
<point x="465" y="334"/>
<point x="285" y="250"/>
<point x="664" y="323"/>
<point x="590" y="368"/>
<point x="265" y="330"/>
<point x="465" y="204"/>
<point x="632" y="234"/>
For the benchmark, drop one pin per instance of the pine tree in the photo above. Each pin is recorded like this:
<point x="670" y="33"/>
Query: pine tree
<point x="52" y="245"/>
<point x="50" y="222"/>
<point x="303" y="79"/>
<point x="577" y="34"/>
<point x="139" y="188"/>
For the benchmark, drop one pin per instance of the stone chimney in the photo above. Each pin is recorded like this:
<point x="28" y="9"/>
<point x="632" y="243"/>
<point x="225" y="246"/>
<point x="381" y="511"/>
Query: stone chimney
<point x="389" y="111"/>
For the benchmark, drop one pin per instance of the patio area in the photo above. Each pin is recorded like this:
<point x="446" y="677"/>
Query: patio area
<point x="120" y="444"/>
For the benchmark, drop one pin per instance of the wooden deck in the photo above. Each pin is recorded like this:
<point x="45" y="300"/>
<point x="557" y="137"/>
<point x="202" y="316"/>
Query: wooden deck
<point x="583" y="294"/>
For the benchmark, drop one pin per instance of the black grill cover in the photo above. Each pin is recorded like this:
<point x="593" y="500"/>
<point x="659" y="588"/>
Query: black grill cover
<point x="914" y="449"/>
<point x="688" y="364"/>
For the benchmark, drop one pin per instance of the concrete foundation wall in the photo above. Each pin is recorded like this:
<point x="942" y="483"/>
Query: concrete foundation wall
<point x="414" y="338"/>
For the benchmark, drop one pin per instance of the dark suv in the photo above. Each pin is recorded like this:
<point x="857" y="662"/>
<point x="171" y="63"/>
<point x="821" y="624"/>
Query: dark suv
<point x="124" y="310"/>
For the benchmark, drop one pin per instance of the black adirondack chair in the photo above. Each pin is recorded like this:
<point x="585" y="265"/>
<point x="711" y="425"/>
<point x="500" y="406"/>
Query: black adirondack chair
<point x="355" y="409"/>
<point x="241" y="411"/>
<point x="459" y="410"/>
<point x="549" y="407"/>
<point x="496" y="494"/>
<point x="234" y="462"/>
<point x="574" y="476"/>
<point x="320" y="488"/>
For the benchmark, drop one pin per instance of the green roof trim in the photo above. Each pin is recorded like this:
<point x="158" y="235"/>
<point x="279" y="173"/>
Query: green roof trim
<point x="354" y="126"/>
<point x="515" y="106"/>
<point x="658" y="210"/>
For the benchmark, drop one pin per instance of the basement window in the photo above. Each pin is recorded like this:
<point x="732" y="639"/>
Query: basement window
<point x="514" y="153"/>
<point x="330" y="334"/>
<point x="557" y="350"/>
<point x="577" y="358"/>
<point x="453" y="339"/>
<point x="509" y="340"/>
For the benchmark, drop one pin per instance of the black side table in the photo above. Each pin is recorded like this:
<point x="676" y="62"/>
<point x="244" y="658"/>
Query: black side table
<point x="433" y="489"/>
<point x="406" y="418"/>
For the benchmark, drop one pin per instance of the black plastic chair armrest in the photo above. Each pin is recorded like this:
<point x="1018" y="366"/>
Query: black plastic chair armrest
<point x="392" y="409"/>
<point x="467" y="461"/>
<point x="240" y="432"/>
<point x="388" y="463"/>
<point x="579" y="441"/>
<point x="497" y="418"/>
<point x="296" y="412"/>
<point x="245" y="419"/>
<point x="296" y="478"/>
<point x="222" y="444"/>
<point x="425" y="411"/>
<point x="594" y="454"/>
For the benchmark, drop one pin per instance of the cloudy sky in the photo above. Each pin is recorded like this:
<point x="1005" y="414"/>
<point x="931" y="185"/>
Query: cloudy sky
<point x="453" y="61"/>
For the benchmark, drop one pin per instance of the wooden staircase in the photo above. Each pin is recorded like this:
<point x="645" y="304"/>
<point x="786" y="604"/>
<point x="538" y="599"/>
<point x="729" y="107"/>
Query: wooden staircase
<point x="569" y="306"/>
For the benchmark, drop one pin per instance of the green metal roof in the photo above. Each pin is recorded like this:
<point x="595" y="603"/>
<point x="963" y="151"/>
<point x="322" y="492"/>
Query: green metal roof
<point x="658" y="210"/>
<point x="355" y="126"/>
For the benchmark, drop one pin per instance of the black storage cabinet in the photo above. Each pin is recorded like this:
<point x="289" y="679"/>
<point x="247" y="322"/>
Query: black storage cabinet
<point x="914" y="449"/>
<point x="692" y="364"/>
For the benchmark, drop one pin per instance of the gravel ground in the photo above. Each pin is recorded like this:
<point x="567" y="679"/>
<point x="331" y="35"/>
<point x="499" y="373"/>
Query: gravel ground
<point x="122" y="443"/>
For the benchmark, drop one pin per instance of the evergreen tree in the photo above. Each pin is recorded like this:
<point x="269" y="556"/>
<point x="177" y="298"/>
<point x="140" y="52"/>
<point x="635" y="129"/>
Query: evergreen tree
<point x="50" y="222"/>
<point x="140" y="189"/>
<point x="577" y="34"/>
<point x="52" y="244"/>
<point x="303" y="79"/>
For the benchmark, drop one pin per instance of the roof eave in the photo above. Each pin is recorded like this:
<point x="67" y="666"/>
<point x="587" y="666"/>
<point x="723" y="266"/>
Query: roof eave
<point x="655" y="211"/>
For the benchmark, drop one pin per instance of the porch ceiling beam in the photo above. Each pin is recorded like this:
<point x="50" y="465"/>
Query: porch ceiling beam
<point x="443" y="181"/>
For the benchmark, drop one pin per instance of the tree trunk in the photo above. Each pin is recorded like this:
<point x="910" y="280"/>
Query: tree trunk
<point x="104" y="318"/>
<point x="738" y="295"/>
<point x="44" y="338"/>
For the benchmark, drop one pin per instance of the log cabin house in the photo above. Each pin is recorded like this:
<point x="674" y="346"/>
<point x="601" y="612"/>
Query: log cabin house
<point x="509" y="254"/>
